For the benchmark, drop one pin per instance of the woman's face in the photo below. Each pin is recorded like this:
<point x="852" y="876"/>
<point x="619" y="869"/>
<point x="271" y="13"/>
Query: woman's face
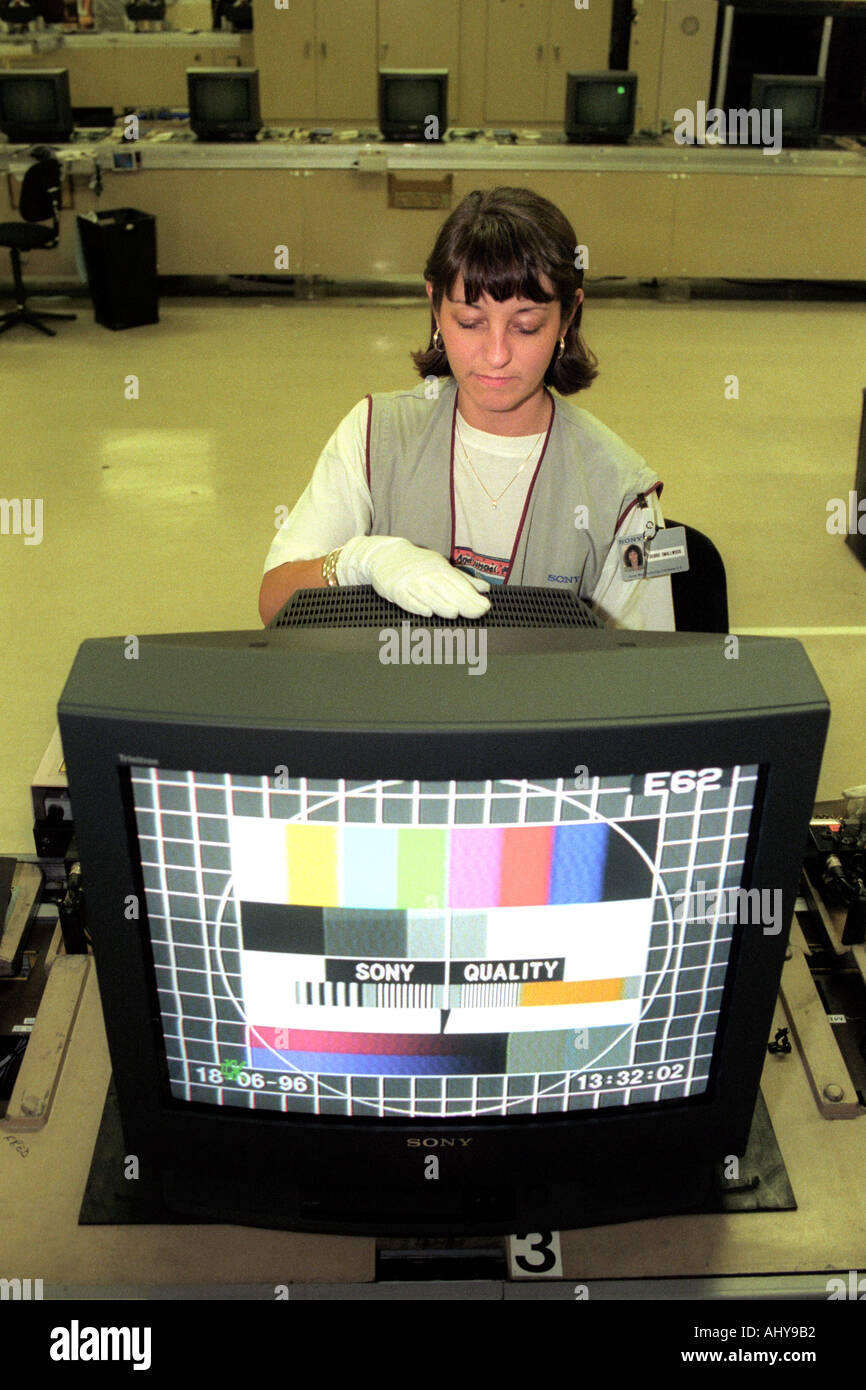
<point x="499" y="354"/>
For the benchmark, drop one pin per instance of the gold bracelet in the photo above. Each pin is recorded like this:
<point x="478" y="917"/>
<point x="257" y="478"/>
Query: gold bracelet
<point x="329" y="568"/>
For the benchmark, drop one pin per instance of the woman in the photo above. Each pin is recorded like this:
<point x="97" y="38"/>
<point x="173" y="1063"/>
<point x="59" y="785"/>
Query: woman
<point x="480" y="475"/>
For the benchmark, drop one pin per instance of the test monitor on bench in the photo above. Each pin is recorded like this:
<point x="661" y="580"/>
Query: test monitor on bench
<point x="35" y="105"/>
<point x="532" y="922"/>
<point x="413" y="103"/>
<point x="224" y="103"/>
<point x="600" y="106"/>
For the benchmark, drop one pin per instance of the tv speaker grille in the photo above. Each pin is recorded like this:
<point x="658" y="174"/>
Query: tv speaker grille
<point x="361" y="606"/>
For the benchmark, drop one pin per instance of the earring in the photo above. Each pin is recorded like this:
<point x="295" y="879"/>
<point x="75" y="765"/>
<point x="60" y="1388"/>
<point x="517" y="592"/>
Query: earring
<point x="440" y="345"/>
<point x="561" y="352"/>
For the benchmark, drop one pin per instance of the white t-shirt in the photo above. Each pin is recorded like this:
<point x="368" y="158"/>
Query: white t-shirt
<point x="336" y="505"/>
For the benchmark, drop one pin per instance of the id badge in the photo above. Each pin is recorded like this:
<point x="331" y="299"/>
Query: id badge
<point x="645" y="556"/>
<point x="667" y="552"/>
<point x="633" y="556"/>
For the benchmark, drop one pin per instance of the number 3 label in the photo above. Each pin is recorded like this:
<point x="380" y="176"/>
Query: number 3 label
<point x="537" y="1255"/>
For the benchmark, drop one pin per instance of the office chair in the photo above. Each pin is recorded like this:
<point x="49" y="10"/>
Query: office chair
<point x="700" y="593"/>
<point x="40" y="200"/>
<point x="18" y="15"/>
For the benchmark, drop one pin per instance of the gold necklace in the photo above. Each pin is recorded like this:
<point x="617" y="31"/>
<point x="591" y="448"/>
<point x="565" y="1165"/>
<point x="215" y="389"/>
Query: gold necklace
<point x="494" y="501"/>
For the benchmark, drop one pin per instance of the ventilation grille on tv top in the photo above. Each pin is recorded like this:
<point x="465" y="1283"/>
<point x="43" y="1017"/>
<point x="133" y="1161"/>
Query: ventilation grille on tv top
<point x="361" y="606"/>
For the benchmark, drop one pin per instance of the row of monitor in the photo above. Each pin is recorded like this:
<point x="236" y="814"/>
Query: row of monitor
<point x="224" y="104"/>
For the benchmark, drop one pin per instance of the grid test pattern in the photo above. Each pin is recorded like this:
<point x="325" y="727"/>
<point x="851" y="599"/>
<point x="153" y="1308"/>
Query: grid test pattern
<point x="697" y="842"/>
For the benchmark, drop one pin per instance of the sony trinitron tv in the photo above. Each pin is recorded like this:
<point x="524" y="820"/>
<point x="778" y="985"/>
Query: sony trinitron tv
<point x="224" y="103"/>
<point x="413" y="103"/>
<point x="35" y="105"/>
<point x="799" y="99"/>
<point x="426" y="927"/>
<point x="599" y="107"/>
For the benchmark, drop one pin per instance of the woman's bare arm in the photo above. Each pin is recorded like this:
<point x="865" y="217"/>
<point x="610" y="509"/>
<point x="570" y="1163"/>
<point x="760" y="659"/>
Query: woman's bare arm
<point x="281" y="582"/>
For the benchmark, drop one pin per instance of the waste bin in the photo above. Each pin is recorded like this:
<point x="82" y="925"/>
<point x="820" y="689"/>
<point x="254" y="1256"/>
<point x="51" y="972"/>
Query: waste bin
<point x="119" y="249"/>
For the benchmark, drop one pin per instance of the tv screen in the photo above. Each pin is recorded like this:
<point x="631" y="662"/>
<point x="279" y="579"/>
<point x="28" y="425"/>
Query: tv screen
<point x="800" y="100"/>
<point x="599" y="106"/>
<point x="35" y="105"/>
<point x="408" y="99"/>
<point x="348" y="914"/>
<point x="401" y="949"/>
<point x="224" y="103"/>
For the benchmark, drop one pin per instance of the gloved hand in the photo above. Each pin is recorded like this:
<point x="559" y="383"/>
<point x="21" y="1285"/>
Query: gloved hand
<point x="421" y="581"/>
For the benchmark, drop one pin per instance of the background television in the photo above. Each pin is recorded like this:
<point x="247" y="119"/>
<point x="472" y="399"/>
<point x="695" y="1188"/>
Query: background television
<point x="35" y="105"/>
<point x="295" y="823"/>
<point x="224" y="103"/>
<point x="407" y="100"/>
<point x="599" y="106"/>
<point x="800" y="99"/>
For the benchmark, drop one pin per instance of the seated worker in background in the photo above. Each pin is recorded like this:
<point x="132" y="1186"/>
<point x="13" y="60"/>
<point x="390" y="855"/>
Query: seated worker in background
<point x="481" y="475"/>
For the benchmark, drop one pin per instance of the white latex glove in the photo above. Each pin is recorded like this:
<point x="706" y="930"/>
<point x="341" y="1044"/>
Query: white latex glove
<point x="421" y="581"/>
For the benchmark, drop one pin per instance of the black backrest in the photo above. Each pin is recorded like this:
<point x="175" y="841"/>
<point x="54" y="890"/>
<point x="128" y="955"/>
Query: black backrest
<point x="700" y="593"/>
<point x="40" y="191"/>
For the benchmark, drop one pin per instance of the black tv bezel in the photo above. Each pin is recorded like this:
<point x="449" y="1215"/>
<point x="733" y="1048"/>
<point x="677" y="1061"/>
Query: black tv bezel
<point x="61" y="130"/>
<point x="801" y="136"/>
<point x="218" y="131"/>
<point x="173" y="1136"/>
<point x="411" y="132"/>
<point x="582" y="132"/>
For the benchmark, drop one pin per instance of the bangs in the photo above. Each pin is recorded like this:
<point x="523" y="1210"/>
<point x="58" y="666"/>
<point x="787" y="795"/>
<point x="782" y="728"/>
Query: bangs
<point x="497" y="270"/>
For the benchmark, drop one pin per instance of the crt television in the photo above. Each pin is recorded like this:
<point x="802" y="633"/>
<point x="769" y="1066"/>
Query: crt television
<point x="408" y="99"/>
<point x="388" y="943"/>
<point x="800" y="100"/>
<point x="224" y="103"/>
<point x="599" y="106"/>
<point x="35" y="105"/>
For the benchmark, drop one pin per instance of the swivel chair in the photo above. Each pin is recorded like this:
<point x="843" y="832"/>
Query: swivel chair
<point x="18" y="15"/>
<point x="700" y="593"/>
<point x="40" y="200"/>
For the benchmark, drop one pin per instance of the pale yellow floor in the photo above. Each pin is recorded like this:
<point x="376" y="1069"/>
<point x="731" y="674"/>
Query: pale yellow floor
<point x="158" y="512"/>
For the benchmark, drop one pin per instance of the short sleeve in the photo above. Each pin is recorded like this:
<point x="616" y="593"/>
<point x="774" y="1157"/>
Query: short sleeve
<point x="336" y="503"/>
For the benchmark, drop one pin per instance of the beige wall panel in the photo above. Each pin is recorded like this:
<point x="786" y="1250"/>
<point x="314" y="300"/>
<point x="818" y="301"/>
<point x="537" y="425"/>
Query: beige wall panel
<point x="579" y="42"/>
<point x="220" y="221"/>
<point x="157" y="77"/>
<point x="645" y="58"/>
<point x="687" y="58"/>
<point x="516" y="61"/>
<point x="118" y="77"/>
<point x="346" y="65"/>
<point x="351" y="232"/>
<point x="674" y="67"/>
<point x="473" y="47"/>
<point x="775" y="227"/>
<point x="284" y="44"/>
<point x="420" y="34"/>
<point x="625" y="220"/>
<point x="337" y="224"/>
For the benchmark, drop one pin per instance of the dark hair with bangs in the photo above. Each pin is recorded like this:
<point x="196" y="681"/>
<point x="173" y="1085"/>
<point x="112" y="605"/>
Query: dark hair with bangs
<point x="502" y="240"/>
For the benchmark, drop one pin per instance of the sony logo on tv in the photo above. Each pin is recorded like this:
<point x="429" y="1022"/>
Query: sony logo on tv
<point x="430" y="1142"/>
